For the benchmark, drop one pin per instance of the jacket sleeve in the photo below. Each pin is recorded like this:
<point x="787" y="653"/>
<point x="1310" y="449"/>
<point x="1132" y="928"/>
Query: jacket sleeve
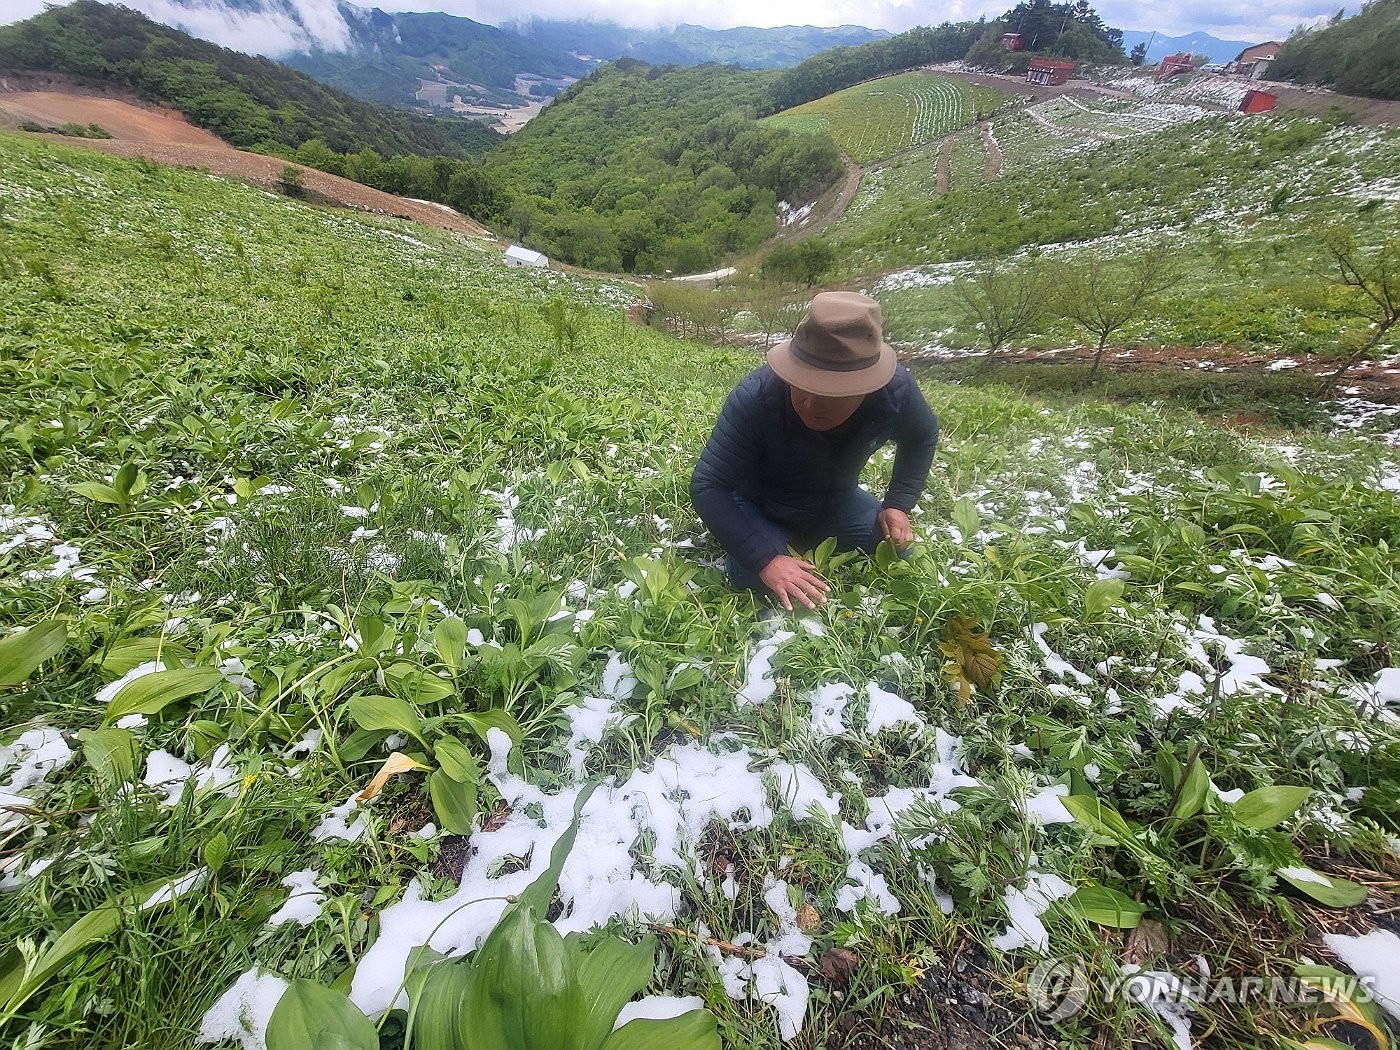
<point x="732" y="455"/>
<point x="916" y="439"/>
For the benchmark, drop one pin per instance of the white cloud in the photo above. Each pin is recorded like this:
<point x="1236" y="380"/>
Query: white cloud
<point x="286" y="26"/>
<point x="276" y="32"/>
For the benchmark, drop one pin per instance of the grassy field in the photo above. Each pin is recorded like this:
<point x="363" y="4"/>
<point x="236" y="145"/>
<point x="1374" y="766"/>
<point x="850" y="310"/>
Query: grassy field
<point x="321" y="489"/>
<point x="877" y="119"/>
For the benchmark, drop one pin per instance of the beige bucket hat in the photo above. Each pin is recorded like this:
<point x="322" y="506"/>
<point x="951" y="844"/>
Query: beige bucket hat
<point x="838" y="349"/>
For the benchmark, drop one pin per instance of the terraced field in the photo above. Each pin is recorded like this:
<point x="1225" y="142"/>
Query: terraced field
<point x="876" y="120"/>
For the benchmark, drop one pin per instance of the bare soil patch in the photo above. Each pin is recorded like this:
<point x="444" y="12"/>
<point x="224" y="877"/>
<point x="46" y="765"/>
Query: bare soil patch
<point x="989" y="143"/>
<point x="165" y="136"/>
<point x="1374" y="380"/>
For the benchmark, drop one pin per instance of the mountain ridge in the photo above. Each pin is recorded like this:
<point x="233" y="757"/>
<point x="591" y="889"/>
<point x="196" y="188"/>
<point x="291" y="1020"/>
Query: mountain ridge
<point x="1160" y="45"/>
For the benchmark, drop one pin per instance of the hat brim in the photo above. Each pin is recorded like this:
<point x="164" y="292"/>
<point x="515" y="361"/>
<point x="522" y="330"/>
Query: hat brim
<point x="826" y="382"/>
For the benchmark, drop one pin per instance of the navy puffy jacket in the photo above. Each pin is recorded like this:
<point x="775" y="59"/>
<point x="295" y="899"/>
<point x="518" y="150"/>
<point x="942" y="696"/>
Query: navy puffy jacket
<point x="761" y="451"/>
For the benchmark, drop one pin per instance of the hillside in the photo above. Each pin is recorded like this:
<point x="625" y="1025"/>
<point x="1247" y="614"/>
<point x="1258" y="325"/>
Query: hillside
<point x="389" y="57"/>
<point x="1354" y="55"/>
<point x="252" y="103"/>
<point x="645" y="169"/>
<point x="693" y="45"/>
<point x="290" y="499"/>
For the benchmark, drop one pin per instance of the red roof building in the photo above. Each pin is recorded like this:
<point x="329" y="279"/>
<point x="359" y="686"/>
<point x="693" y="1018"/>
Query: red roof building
<point x="1013" y="41"/>
<point x="1048" y="72"/>
<point x="1174" y="64"/>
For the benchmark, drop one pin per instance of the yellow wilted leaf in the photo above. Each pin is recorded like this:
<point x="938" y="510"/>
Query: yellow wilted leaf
<point x="393" y="765"/>
<point x="972" y="662"/>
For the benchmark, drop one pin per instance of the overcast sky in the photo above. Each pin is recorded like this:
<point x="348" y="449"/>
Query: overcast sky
<point x="273" y="34"/>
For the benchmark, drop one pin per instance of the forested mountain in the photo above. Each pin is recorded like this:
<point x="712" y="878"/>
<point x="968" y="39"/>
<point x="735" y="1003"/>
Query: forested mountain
<point x="690" y="45"/>
<point x="390" y="54"/>
<point x="650" y="168"/>
<point x="253" y="103"/>
<point x="1359" y="55"/>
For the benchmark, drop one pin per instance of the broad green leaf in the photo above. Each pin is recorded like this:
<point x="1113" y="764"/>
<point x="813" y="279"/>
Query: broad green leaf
<point x="495" y="718"/>
<point x="1101" y="596"/>
<point x="694" y="1030"/>
<point x="1333" y="892"/>
<point x="450" y="641"/>
<point x="22" y="652"/>
<point x="98" y="492"/>
<point x="1168" y="768"/>
<point x="387" y="712"/>
<point x="1099" y="817"/>
<point x="525" y="991"/>
<point x="1105" y="906"/>
<point x="360" y="743"/>
<point x="436" y="994"/>
<point x="130" y="653"/>
<point x="1195" y="786"/>
<point x="215" y="852"/>
<point x="610" y="973"/>
<point x="307" y="1011"/>
<point x="336" y="1041"/>
<point x="454" y="802"/>
<point x="457" y="760"/>
<point x="886" y="556"/>
<point x="1267" y="806"/>
<point x="150" y="694"/>
<point x="125" y="479"/>
<point x="111" y="753"/>
<point x="686" y="678"/>
<point x="967" y="518"/>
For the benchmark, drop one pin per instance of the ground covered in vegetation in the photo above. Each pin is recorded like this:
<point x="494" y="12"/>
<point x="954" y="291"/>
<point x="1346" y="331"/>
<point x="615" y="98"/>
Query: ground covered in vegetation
<point x="287" y="493"/>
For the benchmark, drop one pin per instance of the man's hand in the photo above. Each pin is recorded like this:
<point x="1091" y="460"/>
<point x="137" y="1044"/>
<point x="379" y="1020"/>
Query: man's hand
<point x="790" y="578"/>
<point x="896" y="528"/>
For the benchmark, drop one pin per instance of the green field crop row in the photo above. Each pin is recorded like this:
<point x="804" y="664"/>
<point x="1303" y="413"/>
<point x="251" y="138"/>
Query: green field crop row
<point x="875" y="120"/>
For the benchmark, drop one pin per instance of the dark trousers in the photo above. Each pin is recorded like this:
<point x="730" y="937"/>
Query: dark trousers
<point x="851" y="520"/>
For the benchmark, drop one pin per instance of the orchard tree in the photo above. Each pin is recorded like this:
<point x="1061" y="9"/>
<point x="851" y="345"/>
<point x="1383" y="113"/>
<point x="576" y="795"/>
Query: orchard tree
<point x="806" y="261"/>
<point x="1002" y="299"/>
<point x="1369" y="279"/>
<point x="1104" y="295"/>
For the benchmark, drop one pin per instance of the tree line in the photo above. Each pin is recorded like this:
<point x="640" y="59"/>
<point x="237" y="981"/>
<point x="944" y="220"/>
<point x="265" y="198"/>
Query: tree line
<point x="1359" y="55"/>
<point x="1066" y="30"/>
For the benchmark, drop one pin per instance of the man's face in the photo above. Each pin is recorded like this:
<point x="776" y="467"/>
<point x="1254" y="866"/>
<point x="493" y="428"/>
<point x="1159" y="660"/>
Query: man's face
<point x="824" y="413"/>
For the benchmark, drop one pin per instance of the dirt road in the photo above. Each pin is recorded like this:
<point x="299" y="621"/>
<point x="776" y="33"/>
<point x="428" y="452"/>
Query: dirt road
<point x="163" y="135"/>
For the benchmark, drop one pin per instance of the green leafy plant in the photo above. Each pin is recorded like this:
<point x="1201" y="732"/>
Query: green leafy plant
<point x="525" y="988"/>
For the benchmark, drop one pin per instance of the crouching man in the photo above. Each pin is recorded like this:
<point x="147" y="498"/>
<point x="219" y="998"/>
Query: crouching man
<point x="781" y="467"/>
